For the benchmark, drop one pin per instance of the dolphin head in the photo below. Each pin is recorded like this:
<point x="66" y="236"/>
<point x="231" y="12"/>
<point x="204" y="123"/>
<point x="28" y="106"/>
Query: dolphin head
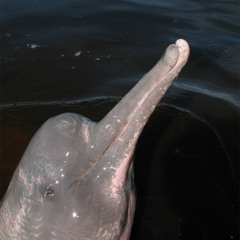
<point x="75" y="180"/>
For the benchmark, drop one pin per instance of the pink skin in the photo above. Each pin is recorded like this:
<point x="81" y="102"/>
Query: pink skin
<point x="75" y="180"/>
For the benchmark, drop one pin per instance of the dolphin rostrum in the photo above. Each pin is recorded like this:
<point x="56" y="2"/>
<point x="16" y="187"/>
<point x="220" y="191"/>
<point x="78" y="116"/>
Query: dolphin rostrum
<point x="75" y="179"/>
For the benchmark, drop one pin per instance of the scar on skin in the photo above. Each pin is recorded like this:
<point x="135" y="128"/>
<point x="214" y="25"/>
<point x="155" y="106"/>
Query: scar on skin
<point x="24" y="180"/>
<point x="86" y="133"/>
<point x="22" y="205"/>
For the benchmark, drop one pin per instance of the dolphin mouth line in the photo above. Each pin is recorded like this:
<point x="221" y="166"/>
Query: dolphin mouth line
<point x="78" y="179"/>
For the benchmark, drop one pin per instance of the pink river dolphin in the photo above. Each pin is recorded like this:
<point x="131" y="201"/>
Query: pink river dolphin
<point x="75" y="180"/>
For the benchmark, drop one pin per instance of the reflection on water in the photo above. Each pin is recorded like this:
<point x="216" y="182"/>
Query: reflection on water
<point x="224" y="94"/>
<point x="61" y="56"/>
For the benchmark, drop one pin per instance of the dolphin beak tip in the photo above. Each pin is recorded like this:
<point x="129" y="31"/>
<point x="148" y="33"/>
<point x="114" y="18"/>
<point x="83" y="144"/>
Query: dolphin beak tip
<point x="183" y="48"/>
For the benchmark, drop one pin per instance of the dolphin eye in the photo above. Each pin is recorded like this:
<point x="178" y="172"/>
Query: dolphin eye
<point x="49" y="191"/>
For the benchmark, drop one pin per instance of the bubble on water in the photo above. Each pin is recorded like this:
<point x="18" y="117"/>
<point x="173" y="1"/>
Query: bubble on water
<point x="33" y="45"/>
<point x="219" y="51"/>
<point x="78" y="53"/>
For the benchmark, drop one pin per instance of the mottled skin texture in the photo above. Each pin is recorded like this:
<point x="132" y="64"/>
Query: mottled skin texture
<point x="75" y="180"/>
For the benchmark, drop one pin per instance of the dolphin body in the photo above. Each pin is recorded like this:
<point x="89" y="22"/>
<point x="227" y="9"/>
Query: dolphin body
<point x="75" y="179"/>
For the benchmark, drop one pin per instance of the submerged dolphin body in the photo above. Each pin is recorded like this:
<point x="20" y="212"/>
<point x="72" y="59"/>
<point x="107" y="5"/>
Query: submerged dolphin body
<point x="75" y="179"/>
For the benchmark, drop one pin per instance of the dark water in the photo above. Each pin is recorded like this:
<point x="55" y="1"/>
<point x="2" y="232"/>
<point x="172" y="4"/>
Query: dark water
<point x="80" y="56"/>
